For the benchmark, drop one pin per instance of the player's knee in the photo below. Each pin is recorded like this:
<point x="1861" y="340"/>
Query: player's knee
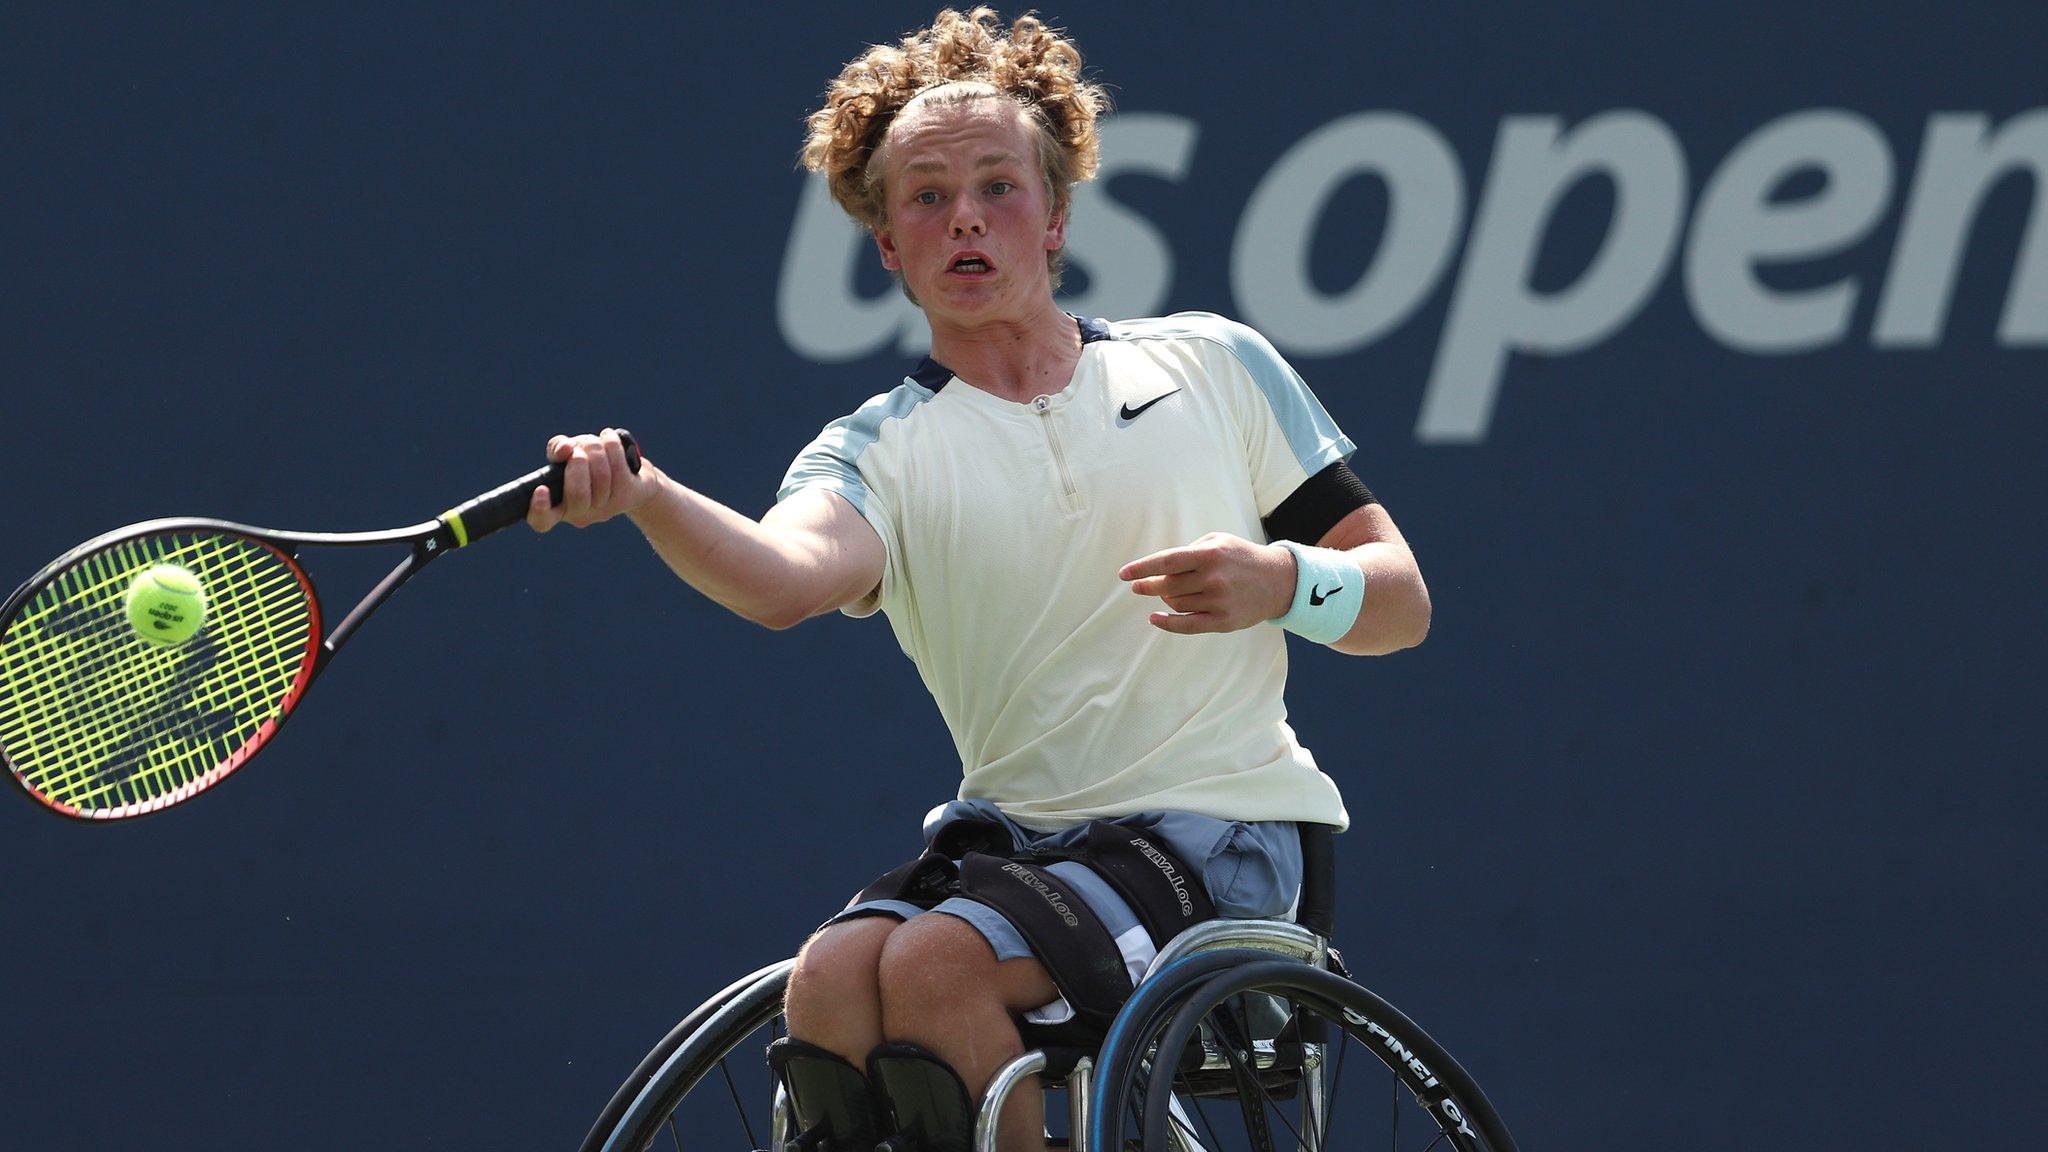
<point x="838" y="967"/>
<point x="935" y="964"/>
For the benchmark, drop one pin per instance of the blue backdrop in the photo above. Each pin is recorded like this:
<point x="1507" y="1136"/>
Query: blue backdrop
<point x="1698" y="354"/>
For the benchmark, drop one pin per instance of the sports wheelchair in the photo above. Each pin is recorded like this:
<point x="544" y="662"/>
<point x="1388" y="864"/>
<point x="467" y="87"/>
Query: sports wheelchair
<point x="1238" y="1037"/>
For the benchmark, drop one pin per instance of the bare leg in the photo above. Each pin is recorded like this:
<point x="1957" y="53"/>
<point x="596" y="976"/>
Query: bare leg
<point x="834" y="998"/>
<point x="942" y="987"/>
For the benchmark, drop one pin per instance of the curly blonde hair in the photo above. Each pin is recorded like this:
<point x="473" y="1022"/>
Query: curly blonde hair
<point x="1032" y="65"/>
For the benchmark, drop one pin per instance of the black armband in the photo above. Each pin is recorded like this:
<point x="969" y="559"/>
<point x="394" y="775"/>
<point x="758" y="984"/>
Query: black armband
<point x="1314" y="508"/>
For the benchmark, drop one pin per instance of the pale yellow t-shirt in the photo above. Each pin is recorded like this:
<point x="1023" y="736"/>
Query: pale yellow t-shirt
<point x="1005" y="526"/>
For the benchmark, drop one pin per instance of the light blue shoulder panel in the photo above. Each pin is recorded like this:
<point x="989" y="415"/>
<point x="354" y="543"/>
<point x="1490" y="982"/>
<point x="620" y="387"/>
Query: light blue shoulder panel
<point x="1315" y="439"/>
<point x="832" y="461"/>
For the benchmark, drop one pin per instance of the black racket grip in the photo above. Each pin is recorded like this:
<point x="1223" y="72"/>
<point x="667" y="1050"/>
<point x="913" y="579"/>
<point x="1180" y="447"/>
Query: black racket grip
<point x="506" y="504"/>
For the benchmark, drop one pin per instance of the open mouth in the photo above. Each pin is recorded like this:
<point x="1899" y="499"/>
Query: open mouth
<point x="971" y="265"/>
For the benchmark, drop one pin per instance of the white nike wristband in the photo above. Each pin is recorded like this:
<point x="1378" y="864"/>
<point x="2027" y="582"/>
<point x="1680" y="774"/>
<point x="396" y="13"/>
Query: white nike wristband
<point x="1329" y="590"/>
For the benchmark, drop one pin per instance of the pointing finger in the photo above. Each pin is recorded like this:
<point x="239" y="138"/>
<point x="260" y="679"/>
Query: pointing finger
<point x="1159" y="564"/>
<point x="1177" y="584"/>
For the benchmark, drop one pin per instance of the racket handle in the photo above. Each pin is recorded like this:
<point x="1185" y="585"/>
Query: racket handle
<point x="506" y="504"/>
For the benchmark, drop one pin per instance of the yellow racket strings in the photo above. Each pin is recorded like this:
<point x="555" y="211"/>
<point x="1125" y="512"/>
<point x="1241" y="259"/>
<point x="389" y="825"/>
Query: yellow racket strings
<point x="98" y="720"/>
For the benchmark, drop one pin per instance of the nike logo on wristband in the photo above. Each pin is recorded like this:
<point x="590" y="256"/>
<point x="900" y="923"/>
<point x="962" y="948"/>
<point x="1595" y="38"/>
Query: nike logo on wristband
<point x="1316" y="595"/>
<point x="1126" y="414"/>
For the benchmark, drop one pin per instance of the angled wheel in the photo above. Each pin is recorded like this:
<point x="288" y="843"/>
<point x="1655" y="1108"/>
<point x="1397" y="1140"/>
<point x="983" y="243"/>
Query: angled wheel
<point x="1347" y="1070"/>
<point x="706" y="1085"/>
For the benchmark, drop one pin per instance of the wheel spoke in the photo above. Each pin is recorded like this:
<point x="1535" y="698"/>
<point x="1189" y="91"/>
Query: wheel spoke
<point x="1185" y="1134"/>
<point x="1244" y="1066"/>
<point x="1331" y="1097"/>
<point x="1201" y="1114"/>
<point x="736" y="1105"/>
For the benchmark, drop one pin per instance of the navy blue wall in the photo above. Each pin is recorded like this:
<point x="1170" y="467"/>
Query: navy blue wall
<point x="1701" y="819"/>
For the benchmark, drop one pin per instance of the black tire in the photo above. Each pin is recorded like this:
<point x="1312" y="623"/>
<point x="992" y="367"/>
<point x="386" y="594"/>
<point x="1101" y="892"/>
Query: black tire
<point x="1447" y="1105"/>
<point x="650" y="1099"/>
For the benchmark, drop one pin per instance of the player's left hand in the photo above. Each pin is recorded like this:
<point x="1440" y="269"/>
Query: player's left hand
<point x="1219" y="583"/>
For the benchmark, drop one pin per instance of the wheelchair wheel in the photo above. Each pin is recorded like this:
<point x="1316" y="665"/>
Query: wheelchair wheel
<point x="1274" y="1056"/>
<point x="706" y="1085"/>
<point x="1346" y="1070"/>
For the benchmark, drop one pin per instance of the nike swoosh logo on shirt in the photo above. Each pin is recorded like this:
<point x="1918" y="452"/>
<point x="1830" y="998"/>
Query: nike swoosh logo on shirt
<point x="1126" y="414"/>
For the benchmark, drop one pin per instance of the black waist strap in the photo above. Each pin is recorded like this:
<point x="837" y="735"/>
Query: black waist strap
<point x="1067" y="937"/>
<point x="1076" y="948"/>
<point x="1165" y="894"/>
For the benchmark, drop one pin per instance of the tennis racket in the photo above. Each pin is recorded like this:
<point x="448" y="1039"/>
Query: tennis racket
<point x="100" y="722"/>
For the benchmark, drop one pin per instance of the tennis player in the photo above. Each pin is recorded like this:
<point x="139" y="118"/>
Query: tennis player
<point x="1089" y="536"/>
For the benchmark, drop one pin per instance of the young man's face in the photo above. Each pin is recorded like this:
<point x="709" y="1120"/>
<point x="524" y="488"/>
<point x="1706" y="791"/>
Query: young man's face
<point x="969" y="223"/>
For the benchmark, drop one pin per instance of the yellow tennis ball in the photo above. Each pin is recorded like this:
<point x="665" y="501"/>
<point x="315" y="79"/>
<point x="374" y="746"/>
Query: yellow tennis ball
<point x="166" y="605"/>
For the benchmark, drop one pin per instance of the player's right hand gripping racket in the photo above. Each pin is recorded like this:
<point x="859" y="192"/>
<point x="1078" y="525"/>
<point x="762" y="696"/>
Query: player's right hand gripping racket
<point x="99" y="720"/>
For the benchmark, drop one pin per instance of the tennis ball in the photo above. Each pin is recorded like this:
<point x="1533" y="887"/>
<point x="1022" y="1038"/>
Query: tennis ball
<point x="166" y="605"/>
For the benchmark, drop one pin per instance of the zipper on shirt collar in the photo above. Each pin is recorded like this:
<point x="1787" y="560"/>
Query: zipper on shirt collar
<point x="1072" y="496"/>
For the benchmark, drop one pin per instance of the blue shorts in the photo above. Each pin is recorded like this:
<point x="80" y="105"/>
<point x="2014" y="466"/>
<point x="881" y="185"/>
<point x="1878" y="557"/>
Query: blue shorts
<point x="1252" y="871"/>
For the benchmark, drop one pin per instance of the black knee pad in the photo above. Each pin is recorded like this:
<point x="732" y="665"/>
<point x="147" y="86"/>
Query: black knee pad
<point x="836" y="1109"/>
<point x="927" y="1101"/>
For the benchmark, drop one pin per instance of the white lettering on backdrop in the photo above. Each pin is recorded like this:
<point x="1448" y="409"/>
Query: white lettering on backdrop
<point x="1741" y="224"/>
